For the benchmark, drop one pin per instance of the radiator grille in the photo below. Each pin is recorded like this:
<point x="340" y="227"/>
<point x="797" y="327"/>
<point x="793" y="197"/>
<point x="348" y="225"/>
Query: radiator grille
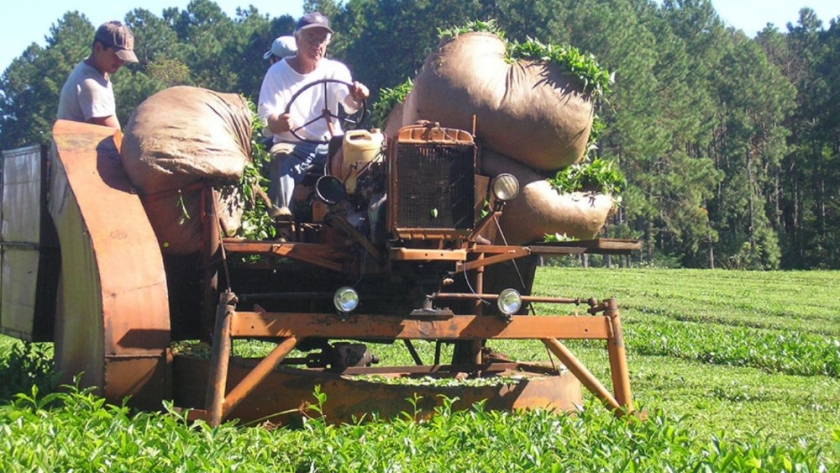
<point x="436" y="186"/>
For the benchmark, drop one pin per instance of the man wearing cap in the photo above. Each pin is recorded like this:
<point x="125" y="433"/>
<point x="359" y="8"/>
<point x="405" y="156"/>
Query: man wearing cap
<point x="292" y="157"/>
<point x="281" y="47"/>
<point x="87" y="95"/>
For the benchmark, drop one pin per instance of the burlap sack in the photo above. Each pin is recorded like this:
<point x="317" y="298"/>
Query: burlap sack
<point x="185" y="134"/>
<point x="540" y="210"/>
<point x="177" y="142"/>
<point x="527" y="110"/>
<point x="394" y="121"/>
<point x="178" y="221"/>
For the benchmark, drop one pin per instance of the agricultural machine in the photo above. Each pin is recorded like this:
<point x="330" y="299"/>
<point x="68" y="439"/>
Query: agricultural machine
<point x="400" y="246"/>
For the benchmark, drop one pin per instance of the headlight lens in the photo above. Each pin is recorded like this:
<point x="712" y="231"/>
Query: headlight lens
<point x="346" y="299"/>
<point x="509" y="301"/>
<point x="505" y="187"/>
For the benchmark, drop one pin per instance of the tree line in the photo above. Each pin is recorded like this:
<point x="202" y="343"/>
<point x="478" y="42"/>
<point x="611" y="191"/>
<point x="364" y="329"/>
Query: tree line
<point x="730" y="144"/>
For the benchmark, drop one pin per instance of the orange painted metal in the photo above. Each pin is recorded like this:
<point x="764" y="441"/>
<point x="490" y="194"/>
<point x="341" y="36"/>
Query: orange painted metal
<point x="408" y="254"/>
<point x="113" y="311"/>
<point x="361" y="327"/>
<point x="492" y="297"/>
<point x="508" y="253"/>
<point x="220" y="359"/>
<point x="618" y="358"/>
<point x="284" y="395"/>
<point x="257" y="375"/>
<point x="325" y="256"/>
<point x="581" y="372"/>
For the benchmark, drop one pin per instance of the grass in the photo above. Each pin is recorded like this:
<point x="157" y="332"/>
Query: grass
<point x="737" y="371"/>
<point x="753" y="353"/>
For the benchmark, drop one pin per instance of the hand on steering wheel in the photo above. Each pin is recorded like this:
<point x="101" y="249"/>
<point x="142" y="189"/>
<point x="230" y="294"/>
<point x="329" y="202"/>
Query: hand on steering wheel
<point x="326" y="114"/>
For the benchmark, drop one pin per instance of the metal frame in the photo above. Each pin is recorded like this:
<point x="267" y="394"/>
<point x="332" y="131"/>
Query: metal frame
<point x="603" y="322"/>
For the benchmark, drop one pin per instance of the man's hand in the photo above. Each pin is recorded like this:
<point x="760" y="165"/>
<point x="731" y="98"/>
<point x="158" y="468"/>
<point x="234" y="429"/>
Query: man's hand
<point x="359" y="91"/>
<point x="279" y="123"/>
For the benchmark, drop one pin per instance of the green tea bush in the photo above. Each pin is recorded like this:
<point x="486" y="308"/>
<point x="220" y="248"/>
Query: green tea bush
<point x="793" y="352"/>
<point x="76" y="431"/>
<point x="26" y="365"/>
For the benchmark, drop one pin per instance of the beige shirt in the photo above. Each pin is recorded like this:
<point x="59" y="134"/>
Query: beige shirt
<point x="86" y="94"/>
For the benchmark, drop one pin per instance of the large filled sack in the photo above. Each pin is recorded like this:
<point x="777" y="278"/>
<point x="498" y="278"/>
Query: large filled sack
<point x="528" y="110"/>
<point x="178" y="145"/>
<point x="394" y="120"/>
<point x="540" y="210"/>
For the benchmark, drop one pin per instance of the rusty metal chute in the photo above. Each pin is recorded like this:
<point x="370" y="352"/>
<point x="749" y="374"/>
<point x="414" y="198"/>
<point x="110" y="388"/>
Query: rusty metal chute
<point x="112" y="317"/>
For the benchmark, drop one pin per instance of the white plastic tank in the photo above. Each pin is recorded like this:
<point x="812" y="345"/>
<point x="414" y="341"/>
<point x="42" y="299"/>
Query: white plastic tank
<point x="358" y="150"/>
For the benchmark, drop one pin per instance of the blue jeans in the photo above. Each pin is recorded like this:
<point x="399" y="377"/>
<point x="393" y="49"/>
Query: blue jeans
<point x="289" y="164"/>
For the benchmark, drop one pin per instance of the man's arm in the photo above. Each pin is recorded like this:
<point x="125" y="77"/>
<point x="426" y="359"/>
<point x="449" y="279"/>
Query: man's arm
<point x="269" y="111"/>
<point x="110" y="121"/>
<point x="97" y="103"/>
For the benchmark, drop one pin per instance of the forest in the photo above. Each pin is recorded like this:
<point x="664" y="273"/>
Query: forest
<point x="730" y="145"/>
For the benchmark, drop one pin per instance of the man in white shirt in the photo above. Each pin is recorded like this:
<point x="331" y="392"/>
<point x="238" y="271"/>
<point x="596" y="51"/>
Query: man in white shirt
<point x="291" y="156"/>
<point x="87" y="94"/>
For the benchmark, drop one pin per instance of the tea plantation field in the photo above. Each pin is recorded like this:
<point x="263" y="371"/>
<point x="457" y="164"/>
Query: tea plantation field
<point x="737" y="371"/>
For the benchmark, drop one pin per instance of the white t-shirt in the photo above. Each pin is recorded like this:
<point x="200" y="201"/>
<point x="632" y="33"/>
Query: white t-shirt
<point x="86" y="94"/>
<point x="280" y="84"/>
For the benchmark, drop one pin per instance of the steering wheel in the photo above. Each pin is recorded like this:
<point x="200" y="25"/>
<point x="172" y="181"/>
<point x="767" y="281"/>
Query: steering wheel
<point x="354" y="119"/>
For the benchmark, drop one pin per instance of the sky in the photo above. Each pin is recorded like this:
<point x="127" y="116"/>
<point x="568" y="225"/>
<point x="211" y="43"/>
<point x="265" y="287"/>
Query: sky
<point x="25" y="22"/>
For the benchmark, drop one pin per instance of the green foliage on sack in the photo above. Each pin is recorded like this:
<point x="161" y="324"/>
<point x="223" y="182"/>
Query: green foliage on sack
<point x="476" y="26"/>
<point x="598" y="175"/>
<point x="595" y="80"/>
<point x="388" y="98"/>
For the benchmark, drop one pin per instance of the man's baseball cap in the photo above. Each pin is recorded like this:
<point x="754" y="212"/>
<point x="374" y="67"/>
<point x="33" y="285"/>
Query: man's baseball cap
<point x="281" y="47"/>
<point x="116" y="35"/>
<point x="313" y="20"/>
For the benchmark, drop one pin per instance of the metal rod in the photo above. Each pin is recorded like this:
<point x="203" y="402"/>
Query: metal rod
<point x="413" y="352"/>
<point x="210" y="242"/>
<point x="258" y="374"/>
<point x="582" y="373"/>
<point x="441" y="371"/>
<point x="618" y="358"/>
<point x="285" y="296"/>
<point x="219" y="359"/>
<point x="469" y="296"/>
<point x="478" y="307"/>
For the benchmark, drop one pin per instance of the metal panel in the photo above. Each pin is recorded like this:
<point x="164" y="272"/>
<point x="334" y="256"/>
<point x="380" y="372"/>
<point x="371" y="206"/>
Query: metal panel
<point x="286" y="392"/>
<point x="20" y="240"/>
<point x="113" y="323"/>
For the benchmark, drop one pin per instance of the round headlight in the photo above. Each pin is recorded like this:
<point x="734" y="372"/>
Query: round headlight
<point x="346" y="299"/>
<point x="509" y="301"/>
<point x="505" y="187"/>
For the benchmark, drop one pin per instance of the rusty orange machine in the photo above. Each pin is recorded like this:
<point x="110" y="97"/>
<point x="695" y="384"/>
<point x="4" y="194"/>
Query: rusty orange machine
<point x="81" y="267"/>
